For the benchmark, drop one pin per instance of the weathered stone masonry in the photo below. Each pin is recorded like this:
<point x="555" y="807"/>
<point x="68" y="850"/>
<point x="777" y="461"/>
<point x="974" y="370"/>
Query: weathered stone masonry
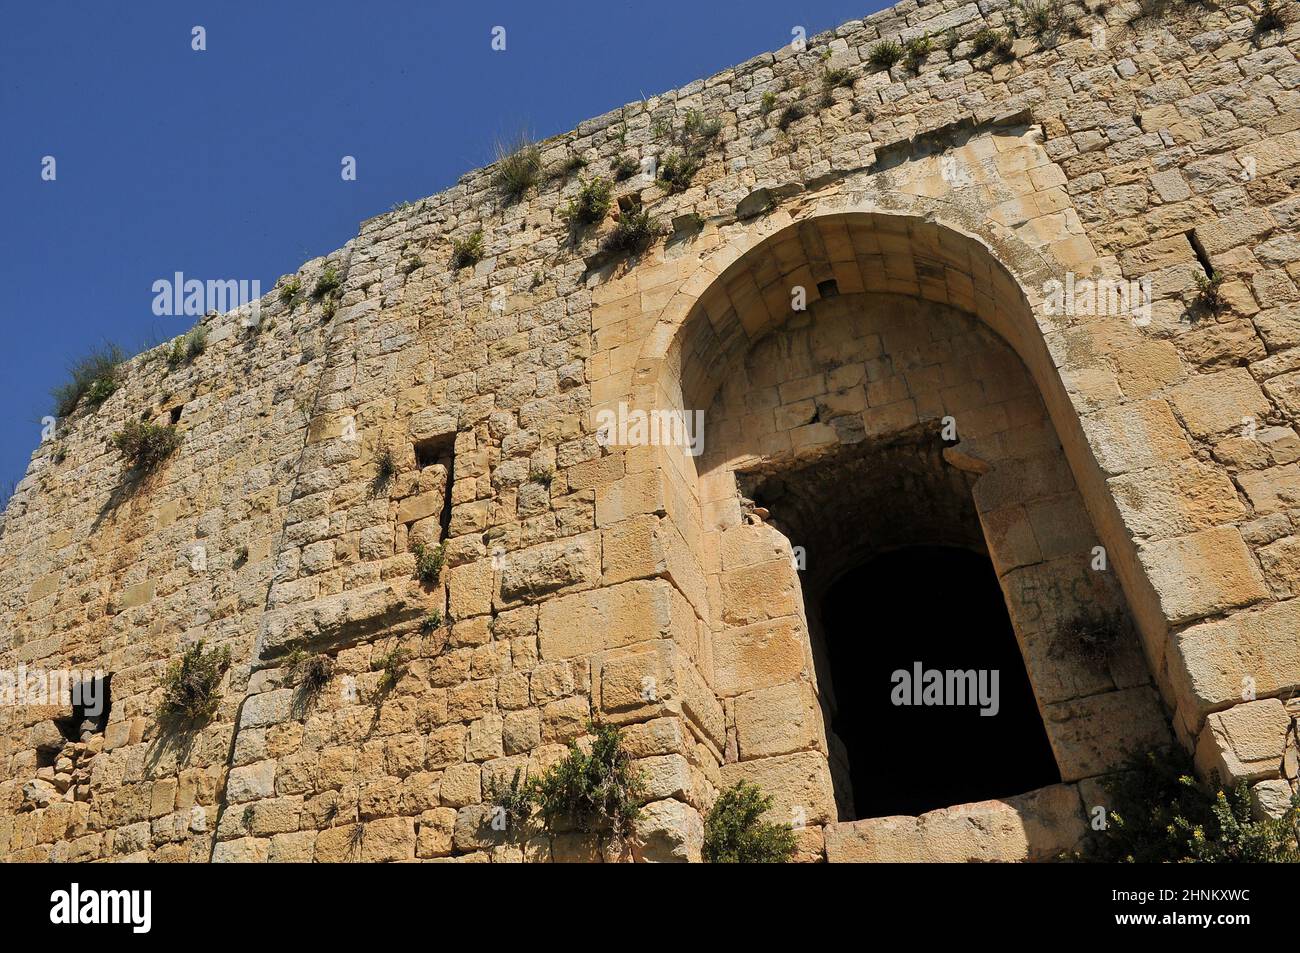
<point x="924" y="214"/>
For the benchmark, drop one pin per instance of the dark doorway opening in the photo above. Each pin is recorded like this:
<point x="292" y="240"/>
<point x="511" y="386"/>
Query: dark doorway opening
<point x="942" y="607"/>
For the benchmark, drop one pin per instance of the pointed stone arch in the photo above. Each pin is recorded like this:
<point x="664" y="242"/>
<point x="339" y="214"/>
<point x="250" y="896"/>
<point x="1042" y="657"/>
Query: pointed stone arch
<point x="697" y="318"/>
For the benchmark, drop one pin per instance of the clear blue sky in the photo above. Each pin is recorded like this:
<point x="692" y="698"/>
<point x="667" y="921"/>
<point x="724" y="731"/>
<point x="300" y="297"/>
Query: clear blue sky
<point x="225" y="163"/>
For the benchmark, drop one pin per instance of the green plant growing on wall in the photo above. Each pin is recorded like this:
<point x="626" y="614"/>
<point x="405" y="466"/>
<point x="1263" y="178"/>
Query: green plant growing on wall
<point x="187" y="347"/>
<point x="385" y="468"/>
<point x="190" y="685"/>
<point x="633" y="230"/>
<point x="768" y="102"/>
<point x="429" y="561"/>
<point x="951" y="40"/>
<point x="885" y="54"/>
<point x="146" y="445"/>
<point x="838" y="78"/>
<point x="590" y="205"/>
<point x="1005" y="50"/>
<point x="790" y="115"/>
<point x="1209" y="292"/>
<point x="514" y="802"/>
<point x="916" y="50"/>
<point x="100" y="390"/>
<point x="290" y="289"/>
<point x="328" y="282"/>
<point x="624" y="167"/>
<point x="93" y="378"/>
<point x="431" y="622"/>
<point x="596" y="791"/>
<point x="542" y="475"/>
<point x="467" y="251"/>
<point x="984" y="40"/>
<point x="678" y="168"/>
<point x="391" y="666"/>
<point x="572" y="165"/>
<point x="311" y="673"/>
<point x="676" y="171"/>
<point x="1040" y="16"/>
<point x="1159" y="813"/>
<point x="696" y="125"/>
<point x="734" y="833"/>
<point x="519" y="165"/>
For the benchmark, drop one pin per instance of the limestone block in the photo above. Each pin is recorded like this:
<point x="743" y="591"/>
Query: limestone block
<point x="533" y="572"/>
<point x="293" y="848"/>
<point x="268" y="708"/>
<point x="352" y="616"/>
<point x="275" y="816"/>
<point x="434" y="832"/>
<point x="565" y="720"/>
<point x="521" y="731"/>
<point x="469" y="589"/>
<point x="421" y="506"/>
<point x="760" y="591"/>
<point x="800" y="786"/>
<point x="1215" y="403"/>
<point x="757" y="656"/>
<point x="251" y="782"/>
<point x="473" y="829"/>
<point x="1044" y="601"/>
<point x="388" y="839"/>
<point x="1244" y="743"/>
<point x="1271" y="798"/>
<point x="246" y="850"/>
<point x="136" y="595"/>
<point x="1039" y="825"/>
<point x="640" y="679"/>
<point x="1202" y="574"/>
<point x="1181" y="498"/>
<point x="778" y="720"/>
<point x="631" y="550"/>
<point x="874" y="840"/>
<point x="669" y="832"/>
<point x="1256" y="651"/>
<point x="484" y="739"/>
<point x="665" y="776"/>
<point x="1272" y="490"/>
<point x="1135" y="436"/>
<point x="606" y="618"/>
<point x="461" y="785"/>
<point x="1097" y="733"/>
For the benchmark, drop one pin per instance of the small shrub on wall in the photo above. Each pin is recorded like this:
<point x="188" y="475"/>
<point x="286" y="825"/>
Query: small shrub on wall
<point x="145" y="446"/>
<point x="94" y="378"/>
<point x="596" y="791"/>
<point x="733" y="833"/>
<point x="429" y="561"/>
<point x="1159" y="813"/>
<point x="190" y="685"/>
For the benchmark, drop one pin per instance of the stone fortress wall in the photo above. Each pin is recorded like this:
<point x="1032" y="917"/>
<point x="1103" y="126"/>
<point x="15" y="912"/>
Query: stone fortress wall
<point x="925" y="213"/>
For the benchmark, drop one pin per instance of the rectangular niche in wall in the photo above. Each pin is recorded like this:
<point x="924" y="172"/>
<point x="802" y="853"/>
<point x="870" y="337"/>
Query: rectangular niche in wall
<point x="426" y="513"/>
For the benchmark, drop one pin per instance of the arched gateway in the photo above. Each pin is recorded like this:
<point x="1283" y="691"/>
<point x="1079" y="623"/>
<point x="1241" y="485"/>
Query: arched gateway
<point x="872" y="382"/>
